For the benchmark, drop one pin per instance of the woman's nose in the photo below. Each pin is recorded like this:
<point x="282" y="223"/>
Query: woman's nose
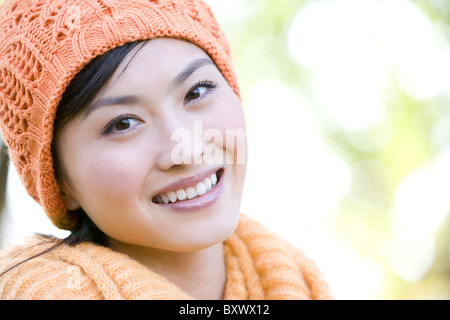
<point x="182" y="145"/>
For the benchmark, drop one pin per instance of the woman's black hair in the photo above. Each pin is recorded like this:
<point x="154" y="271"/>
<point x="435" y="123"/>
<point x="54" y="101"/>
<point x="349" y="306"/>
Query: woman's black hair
<point x="78" y="95"/>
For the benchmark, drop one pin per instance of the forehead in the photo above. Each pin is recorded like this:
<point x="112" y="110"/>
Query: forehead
<point x="157" y="58"/>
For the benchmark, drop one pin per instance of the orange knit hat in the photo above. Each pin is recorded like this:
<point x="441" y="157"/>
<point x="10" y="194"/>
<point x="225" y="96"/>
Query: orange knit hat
<point x="44" y="43"/>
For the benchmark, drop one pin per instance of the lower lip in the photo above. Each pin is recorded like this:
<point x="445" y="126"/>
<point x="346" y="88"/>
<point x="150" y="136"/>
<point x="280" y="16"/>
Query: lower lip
<point x="200" y="202"/>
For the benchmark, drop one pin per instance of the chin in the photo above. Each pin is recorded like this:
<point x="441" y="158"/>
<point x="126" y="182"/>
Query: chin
<point x="211" y="232"/>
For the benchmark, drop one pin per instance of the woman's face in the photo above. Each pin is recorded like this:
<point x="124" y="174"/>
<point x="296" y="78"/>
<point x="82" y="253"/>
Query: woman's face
<point x="156" y="135"/>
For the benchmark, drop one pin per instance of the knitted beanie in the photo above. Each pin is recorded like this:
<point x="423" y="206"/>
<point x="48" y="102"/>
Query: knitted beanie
<point x="45" y="43"/>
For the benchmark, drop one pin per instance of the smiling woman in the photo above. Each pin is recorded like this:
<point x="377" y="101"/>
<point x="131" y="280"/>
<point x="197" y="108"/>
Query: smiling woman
<point x="88" y="110"/>
<point x="132" y="141"/>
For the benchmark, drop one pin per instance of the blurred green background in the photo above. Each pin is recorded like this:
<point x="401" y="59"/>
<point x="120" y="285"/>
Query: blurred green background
<point x="354" y="100"/>
<point x="348" y="113"/>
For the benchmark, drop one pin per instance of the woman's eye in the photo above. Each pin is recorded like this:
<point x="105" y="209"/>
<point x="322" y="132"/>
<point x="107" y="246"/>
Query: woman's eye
<point x="121" y="124"/>
<point x="199" y="91"/>
<point x="196" y="93"/>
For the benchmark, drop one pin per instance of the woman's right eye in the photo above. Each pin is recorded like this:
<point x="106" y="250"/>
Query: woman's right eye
<point x="121" y="124"/>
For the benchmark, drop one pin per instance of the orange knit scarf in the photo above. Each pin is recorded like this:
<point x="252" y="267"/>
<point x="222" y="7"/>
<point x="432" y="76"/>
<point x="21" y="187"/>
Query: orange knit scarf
<point x="258" y="266"/>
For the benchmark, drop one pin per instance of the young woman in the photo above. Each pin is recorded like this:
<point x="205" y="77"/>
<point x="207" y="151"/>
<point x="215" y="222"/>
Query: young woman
<point x="123" y="120"/>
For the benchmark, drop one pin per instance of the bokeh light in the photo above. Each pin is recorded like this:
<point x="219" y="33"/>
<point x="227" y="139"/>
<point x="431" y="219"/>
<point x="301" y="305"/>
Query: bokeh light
<point x="347" y="103"/>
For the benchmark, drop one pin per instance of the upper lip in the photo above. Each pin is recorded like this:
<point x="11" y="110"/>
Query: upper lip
<point x="187" y="182"/>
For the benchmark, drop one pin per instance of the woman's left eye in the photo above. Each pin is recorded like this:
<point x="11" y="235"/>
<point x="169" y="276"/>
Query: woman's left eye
<point x="199" y="91"/>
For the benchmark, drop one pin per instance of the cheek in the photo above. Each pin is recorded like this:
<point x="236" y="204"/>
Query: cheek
<point x="110" y="173"/>
<point x="104" y="177"/>
<point x="227" y="131"/>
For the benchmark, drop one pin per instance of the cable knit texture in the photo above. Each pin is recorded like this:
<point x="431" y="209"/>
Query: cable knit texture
<point x="259" y="265"/>
<point x="45" y="43"/>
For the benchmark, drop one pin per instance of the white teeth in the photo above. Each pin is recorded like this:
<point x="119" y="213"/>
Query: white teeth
<point x="172" y="196"/>
<point x="181" y="194"/>
<point x="165" y="198"/>
<point x="207" y="184"/>
<point x="200" y="188"/>
<point x="213" y="179"/>
<point x="189" y="193"/>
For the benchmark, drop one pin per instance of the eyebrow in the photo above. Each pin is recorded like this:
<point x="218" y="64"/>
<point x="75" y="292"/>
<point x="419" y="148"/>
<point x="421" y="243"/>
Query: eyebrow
<point x="189" y="70"/>
<point x="132" y="99"/>
<point x="112" y="101"/>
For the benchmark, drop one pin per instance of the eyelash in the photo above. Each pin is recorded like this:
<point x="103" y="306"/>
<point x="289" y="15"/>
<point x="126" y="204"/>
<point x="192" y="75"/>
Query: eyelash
<point x="110" y="127"/>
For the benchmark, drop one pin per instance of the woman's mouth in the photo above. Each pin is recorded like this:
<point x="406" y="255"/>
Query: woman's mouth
<point x="196" y="190"/>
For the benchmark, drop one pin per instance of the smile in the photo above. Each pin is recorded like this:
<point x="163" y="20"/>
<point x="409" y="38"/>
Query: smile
<point x="195" y="190"/>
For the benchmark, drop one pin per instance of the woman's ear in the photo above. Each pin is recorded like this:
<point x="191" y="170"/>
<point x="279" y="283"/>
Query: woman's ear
<point x="67" y="197"/>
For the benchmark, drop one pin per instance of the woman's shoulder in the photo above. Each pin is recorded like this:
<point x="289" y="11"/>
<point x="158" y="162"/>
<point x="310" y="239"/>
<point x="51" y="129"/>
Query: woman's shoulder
<point x="254" y="233"/>
<point x="38" y="270"/>
<point x="84" y="271"/>
<point x="269" y="249"/>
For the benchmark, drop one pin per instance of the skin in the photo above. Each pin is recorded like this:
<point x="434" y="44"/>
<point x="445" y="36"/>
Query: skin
<point x="112" y="167"/>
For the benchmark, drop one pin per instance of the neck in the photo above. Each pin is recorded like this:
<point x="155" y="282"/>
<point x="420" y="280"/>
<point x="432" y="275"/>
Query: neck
<point x="201" y="274"/>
